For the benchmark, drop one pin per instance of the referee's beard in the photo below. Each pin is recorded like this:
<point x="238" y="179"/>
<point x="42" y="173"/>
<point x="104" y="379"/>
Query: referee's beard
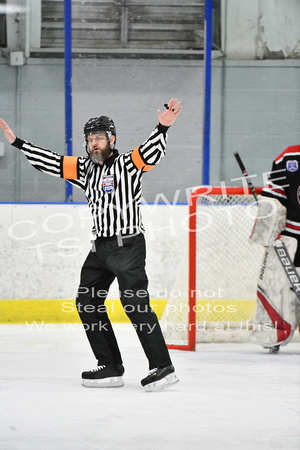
<point x="98" y="155"/>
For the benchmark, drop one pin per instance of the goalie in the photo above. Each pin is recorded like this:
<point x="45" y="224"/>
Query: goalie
<point x="277" y="312"/>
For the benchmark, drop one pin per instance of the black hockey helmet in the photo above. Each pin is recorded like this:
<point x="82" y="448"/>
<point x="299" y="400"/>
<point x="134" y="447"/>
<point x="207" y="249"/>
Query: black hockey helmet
<point x="102" y="124"/>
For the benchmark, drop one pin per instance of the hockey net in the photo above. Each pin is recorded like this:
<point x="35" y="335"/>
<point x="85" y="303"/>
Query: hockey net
<point x="215" y="291"/>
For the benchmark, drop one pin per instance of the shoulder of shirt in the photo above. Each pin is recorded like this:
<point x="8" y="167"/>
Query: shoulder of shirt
<point x="290" y="152"/>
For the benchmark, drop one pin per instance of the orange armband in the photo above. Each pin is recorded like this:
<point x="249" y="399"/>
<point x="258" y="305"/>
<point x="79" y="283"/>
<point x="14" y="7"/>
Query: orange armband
<point x="138" y="161"/>
<point x="70" y="167"/>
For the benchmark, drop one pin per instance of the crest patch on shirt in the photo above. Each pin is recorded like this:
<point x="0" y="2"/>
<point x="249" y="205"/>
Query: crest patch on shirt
<point x="108" y="183"/>
<point x="292" y="165"/>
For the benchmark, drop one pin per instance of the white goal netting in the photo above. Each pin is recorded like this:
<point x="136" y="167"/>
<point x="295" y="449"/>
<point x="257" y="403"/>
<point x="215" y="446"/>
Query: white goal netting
<point x="219" y="272"/>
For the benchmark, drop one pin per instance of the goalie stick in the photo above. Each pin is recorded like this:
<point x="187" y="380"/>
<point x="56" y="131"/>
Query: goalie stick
<point x="279" y="245"/>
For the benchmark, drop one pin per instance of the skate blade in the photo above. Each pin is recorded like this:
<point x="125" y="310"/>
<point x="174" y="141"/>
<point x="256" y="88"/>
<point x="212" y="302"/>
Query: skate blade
<point x="162" y="384"/>
<point x="111" y="382"/>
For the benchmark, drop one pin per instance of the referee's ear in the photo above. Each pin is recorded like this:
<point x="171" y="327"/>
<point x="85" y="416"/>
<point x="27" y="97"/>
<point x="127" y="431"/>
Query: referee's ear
<point x="112" y="142"/>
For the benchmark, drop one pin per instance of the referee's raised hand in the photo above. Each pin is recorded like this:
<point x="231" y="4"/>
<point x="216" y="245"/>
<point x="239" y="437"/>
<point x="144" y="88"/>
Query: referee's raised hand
<point x="173" y="108"/>
<point x="8" y="133"/>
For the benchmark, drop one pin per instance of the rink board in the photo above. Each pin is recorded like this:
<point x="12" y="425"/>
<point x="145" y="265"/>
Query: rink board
<point x="61" y="311"/>
<point x="64" y="310"/>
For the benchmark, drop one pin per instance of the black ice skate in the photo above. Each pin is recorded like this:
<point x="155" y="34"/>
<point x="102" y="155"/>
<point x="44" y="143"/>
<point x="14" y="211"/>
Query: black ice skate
<point x="104" y="376"/>
<point x="159" y="379"/>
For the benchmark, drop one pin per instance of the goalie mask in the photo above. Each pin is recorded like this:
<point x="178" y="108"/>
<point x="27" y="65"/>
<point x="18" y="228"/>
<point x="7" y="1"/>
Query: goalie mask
<point x="102" y="124"/>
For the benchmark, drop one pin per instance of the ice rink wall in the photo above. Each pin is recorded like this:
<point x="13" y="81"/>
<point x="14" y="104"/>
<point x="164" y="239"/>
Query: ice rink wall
<point x="43" y="247"/>
<point x="255" y="110"/>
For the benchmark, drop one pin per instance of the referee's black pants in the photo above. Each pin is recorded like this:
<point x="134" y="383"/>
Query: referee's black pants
<point x="122" y="258"/>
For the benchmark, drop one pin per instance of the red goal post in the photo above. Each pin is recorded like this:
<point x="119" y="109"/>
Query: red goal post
<point x="217" y="197"/>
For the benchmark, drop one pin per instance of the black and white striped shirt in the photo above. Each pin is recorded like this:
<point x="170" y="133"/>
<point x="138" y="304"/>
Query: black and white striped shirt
<point x="113" y="190"/>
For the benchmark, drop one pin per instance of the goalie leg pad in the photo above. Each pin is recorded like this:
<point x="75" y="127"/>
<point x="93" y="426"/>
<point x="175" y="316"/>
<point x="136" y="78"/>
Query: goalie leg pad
<point x="276" y="315"/>
<point x="270" y="220"/>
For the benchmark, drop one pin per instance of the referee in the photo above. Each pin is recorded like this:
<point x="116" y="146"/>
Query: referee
<point x="112" y="184"/>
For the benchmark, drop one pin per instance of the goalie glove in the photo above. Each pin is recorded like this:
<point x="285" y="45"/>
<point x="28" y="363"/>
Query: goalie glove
<point x="270" y="221"/>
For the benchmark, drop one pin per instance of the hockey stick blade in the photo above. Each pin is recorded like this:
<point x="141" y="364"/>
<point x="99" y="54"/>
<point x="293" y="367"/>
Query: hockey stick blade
<point x="279" y="245"/>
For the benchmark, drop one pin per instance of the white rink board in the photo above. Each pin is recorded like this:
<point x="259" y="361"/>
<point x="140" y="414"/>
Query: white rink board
<point x="43" y="246"/>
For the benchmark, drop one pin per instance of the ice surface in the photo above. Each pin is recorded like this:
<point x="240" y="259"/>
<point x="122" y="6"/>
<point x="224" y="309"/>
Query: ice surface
<point x="230" y="396"/>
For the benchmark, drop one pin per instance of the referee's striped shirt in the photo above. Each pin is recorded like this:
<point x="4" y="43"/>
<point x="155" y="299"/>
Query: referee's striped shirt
<point x="113" y="189"/>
